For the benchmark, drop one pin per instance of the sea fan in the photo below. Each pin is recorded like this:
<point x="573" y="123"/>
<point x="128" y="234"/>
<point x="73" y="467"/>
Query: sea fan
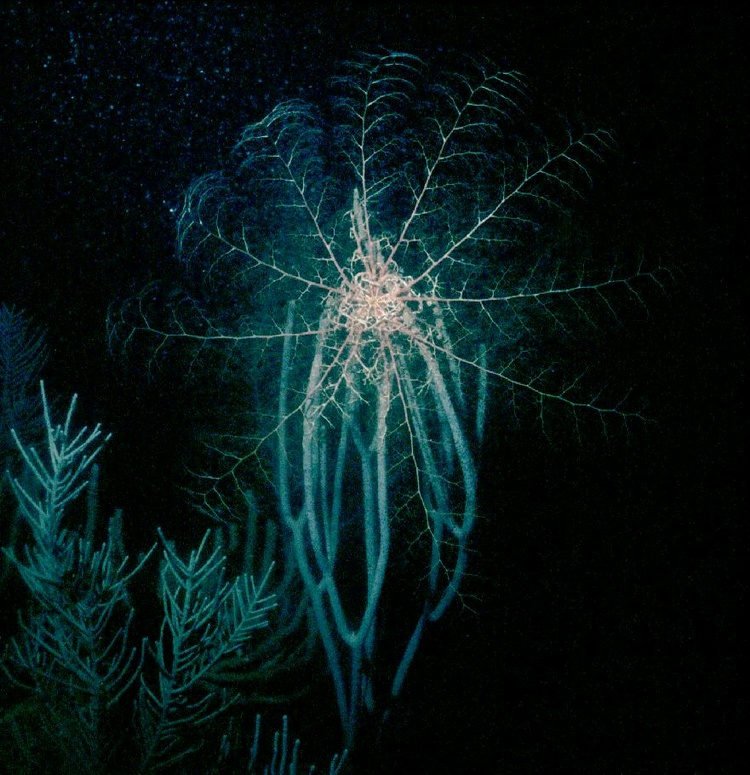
<point x="23" y="354"/>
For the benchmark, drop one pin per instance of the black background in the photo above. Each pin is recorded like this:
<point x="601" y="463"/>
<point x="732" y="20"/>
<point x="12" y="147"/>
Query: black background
<point x="600" y="632"/>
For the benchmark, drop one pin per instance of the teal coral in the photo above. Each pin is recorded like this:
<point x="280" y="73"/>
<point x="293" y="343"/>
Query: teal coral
<point x="73" y="669"/>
